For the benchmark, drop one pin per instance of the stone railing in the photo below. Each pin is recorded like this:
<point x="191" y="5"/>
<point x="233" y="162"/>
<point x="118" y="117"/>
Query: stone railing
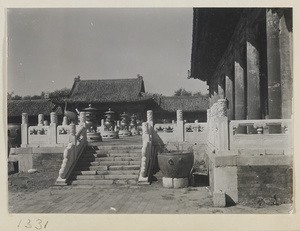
<point x="261" y="134"/>
<point x="44" y="134"/>
<point x="223" y="137"/>
<point x="195" y="132"/>
<point x="76" y="145"/>
<point x="181" y="131"/>
<point x="149" y="151"/>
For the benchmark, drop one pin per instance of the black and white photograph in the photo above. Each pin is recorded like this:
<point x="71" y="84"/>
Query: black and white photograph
<point x="149" y="110"/>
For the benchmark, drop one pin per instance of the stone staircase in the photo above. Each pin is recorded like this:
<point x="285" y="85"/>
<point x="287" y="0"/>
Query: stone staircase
<point x="107" y="165"/>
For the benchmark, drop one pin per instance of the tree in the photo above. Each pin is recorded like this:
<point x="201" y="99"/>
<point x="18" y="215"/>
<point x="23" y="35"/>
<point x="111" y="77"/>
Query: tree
<point x="182" y="92"/>
<point x="12" y="96"/>
<point x="64" y="92"/>
<point x="199" y="93"/>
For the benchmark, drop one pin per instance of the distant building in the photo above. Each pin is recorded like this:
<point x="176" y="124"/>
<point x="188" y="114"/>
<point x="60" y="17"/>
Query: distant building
<point x="194" y="108"/>
<point x="121" y="95"/>
<point x="126" y="95"/>
<point x="33" y="108"/>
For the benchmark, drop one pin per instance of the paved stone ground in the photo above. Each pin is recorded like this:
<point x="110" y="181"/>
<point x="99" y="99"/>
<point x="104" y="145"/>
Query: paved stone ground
<point x="153" y="199"/>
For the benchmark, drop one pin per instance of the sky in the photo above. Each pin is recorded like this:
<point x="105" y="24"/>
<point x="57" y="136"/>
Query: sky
<point x="48" y="48"/>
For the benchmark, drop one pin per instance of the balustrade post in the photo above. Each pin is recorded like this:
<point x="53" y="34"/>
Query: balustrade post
<point x="82" y="118"/>
<point x="53" y="128"/>
<point x="24" y="130"/>
<point x="150" y="121"/>
<point x="40" y="119"/>
<point x="222" y="121"/>
<point x="72" y="138"/>
<point x="65" y="121"/>
<point x="180" y="126"/>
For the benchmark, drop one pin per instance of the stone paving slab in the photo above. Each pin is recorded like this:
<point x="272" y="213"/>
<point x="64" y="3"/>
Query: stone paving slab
<point x="118" y="199"/>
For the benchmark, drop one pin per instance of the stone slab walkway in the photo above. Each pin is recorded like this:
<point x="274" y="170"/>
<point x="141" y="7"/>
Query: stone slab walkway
<point x="153" y="199"/>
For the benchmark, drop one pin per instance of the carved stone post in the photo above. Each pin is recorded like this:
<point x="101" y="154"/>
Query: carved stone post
<point x="73" y="133"/>
<point x="180" y="126"/>
<point x="150" y="116"/>
<point x="24" y="130"/>
<point x="40" y="120"/>
<point x="145" y="151"/>
<point x="150" y="120"/>
<point x="65" y="121"/>
<point x="82" y="117"/>
<point x="222" y="121"/>
<point x="53" y="128"/>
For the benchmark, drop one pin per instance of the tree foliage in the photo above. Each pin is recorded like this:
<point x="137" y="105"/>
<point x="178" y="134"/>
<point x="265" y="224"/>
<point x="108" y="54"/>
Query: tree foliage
<point x="182" y="92"/>
<point x="12" y="96"/>
<point x="62" y="93"/>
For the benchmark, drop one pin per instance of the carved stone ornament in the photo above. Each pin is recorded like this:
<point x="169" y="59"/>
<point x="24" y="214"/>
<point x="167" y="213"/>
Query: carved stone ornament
<point x="40" y="119"/>
<point x="82" y="116"/>
<point x="24" y="118"/>
<point x="179" y="115"/>
<point x="222" y="108"/>
<point x="150" y="115"/>
<point x="72" y="129"/>
<point x="53" y="118"/>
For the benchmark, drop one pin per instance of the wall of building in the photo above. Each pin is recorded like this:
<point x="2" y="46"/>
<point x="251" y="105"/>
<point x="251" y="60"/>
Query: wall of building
<point x="266" y="184"/>
<point x="43" y="158"/>
<point x="255" y="72"/>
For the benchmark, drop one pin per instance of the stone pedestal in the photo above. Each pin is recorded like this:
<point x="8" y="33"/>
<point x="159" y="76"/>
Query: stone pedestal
<point x="175" y="182"/>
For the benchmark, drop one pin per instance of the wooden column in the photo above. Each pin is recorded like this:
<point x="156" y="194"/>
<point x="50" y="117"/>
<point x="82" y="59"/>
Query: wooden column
<point x="229" y="92"/>
<point x="239" y="85"/>
<point x="273" y="64"/>
<point x="253" y="75"/>
<point x="285" y="39"/>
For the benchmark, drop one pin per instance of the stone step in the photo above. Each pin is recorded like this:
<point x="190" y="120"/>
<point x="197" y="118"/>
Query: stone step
<point x="95" y="155"/>
<point x="92" y="182"/>
<point x="114" y="172"/>
<point x="90" y="168"/>
<point x="117" y="147"/>
<point x="107" y="163"/>
<point x="106" y="151"/>
<point x="120" y="177"/>
<point x="105" y="168"/>
<point x="124" y="167"/>
<point x="123" y="154"/>
<point x="124" y="182"/>
<point x="104" y="182"/>
<point x="116" y="158"/>
<point x="103" y="177"/>
<point x="78" y="172"/>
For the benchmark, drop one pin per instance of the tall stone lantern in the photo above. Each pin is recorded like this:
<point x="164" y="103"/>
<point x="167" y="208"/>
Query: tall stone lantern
<point x="92" y="115"/>
<point x="133" y="125"/>
<point x="110" y="125"/>
<point x="124" y="125"/>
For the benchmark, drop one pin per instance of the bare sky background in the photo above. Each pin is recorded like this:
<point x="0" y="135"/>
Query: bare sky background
<point x="47" y="48"/>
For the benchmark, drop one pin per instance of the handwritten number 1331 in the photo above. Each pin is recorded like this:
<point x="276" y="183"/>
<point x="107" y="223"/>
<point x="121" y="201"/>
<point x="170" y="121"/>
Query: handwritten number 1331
<point x="37" y="224"/>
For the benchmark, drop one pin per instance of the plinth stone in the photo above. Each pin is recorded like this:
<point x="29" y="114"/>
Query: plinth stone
<point x="219" y="199"/>
<point x="175" y="182"/>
